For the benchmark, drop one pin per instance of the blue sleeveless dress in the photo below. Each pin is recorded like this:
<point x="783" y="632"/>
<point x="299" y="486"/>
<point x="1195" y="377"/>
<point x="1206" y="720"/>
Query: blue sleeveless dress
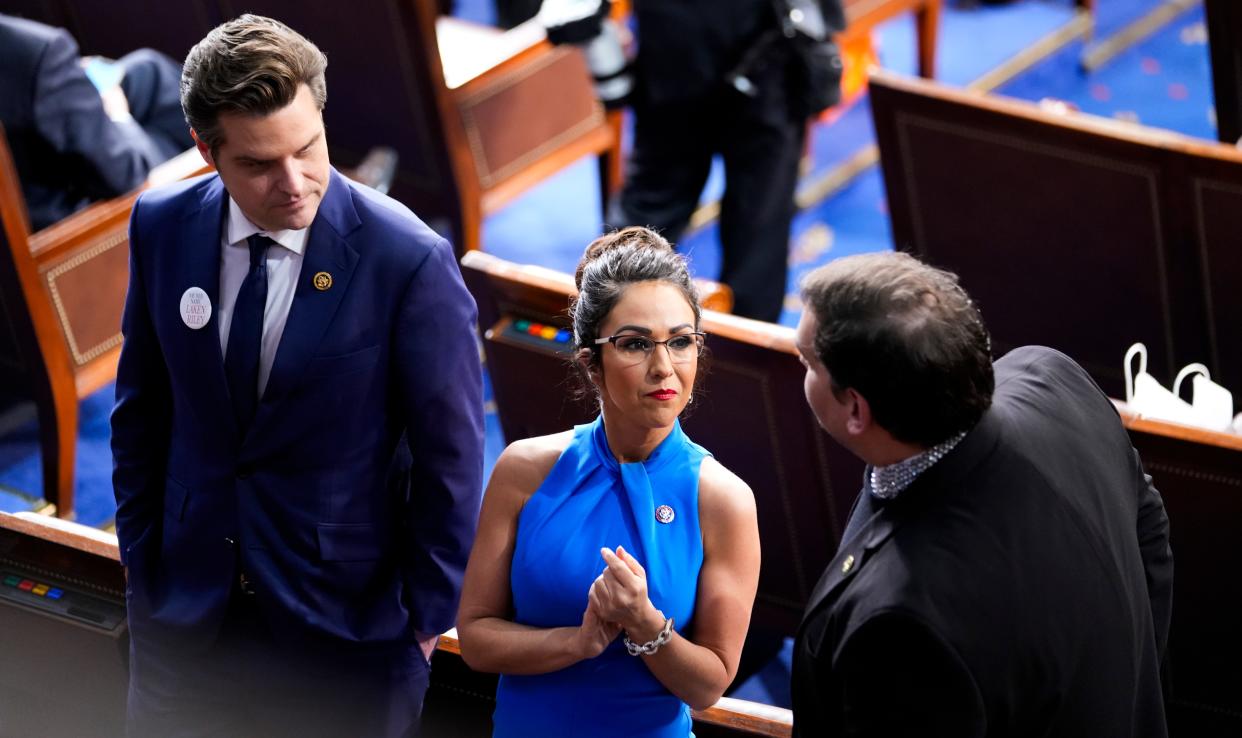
<point x="587" y="502"/>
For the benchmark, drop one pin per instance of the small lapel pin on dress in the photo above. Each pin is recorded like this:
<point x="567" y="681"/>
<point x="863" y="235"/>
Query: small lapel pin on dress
<point x="665" y="514"/>
<point x="322" y="281"/>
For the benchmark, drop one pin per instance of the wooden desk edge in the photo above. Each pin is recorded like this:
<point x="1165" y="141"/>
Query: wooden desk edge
<point x="61" y="532"/>
<point x="1135" y="421"/>
<point x="754" y="718"/>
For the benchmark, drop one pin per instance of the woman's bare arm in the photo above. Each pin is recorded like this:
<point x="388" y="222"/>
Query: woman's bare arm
<point x="490" y="641"/>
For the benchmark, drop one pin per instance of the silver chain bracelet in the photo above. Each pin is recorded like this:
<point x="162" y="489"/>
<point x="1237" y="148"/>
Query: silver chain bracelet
<point x="650" y="647"/>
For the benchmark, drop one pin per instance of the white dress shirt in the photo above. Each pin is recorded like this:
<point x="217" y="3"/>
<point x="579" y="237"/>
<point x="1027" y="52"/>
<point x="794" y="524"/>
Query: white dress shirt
<point x="284" y="265"/>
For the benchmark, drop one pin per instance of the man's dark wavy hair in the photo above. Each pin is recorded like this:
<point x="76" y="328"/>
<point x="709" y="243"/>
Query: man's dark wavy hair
<point x="906" y="337"/>
<point x="251" y="65"/>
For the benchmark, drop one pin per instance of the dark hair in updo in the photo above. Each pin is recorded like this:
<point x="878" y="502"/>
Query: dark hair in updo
<point x="613" y="262"/>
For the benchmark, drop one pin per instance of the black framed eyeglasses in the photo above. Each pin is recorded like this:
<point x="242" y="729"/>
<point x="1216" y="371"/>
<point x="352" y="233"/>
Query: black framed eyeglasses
<point x="681" y="348"/>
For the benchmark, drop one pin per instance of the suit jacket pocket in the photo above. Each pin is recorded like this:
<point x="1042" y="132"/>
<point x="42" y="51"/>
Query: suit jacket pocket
<point x="327" y="366"/>
<point x="348" y="542"/>
<point x="175" y="496"/>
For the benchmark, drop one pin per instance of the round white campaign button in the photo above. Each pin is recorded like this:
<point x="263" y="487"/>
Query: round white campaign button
<point x="195" y="308"/>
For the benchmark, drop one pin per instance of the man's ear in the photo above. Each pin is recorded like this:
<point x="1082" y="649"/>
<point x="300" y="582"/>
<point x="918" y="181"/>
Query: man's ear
<point x="859" y="419"/>
<point x="203" y="149"/>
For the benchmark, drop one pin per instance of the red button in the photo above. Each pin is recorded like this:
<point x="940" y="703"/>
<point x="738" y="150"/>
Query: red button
<point x="26" y="585"/>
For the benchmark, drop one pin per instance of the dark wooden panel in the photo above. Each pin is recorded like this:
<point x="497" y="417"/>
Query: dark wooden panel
<point x="1067" y="233"/>
<point x="1200" y="479"/>
<point x="114" y="29"/>
<point x="51" y="12"/>
<point x="1216" y="194"/>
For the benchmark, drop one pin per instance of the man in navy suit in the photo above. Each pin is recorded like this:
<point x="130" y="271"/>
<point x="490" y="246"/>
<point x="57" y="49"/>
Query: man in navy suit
<point x="73" y="143"/>
<point x="285" y="331"/>
<point x="1006" y="569"/>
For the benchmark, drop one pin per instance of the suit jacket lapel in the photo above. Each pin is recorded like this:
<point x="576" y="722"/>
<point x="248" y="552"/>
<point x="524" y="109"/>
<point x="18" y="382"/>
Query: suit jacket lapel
<point x="201" y="268"/>
<point x="883" y="522"/>
<point x="313" y="309"/>
<point x="878" y="526"/>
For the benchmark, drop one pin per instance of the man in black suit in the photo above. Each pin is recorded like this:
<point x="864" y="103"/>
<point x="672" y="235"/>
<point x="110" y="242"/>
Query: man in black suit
<point x="1006" y="570"/>
<point x="73" y="142"/>
<point x="686" y="111"/>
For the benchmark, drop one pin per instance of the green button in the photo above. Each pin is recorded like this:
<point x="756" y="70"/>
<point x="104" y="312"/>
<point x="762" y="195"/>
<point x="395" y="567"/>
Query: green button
<point x="11" y="581"/>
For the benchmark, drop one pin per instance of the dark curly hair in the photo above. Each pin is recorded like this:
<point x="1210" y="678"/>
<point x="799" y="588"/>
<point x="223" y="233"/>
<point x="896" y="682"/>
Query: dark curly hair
<point x="610" y="264"/>
<point x="907" y="338"/>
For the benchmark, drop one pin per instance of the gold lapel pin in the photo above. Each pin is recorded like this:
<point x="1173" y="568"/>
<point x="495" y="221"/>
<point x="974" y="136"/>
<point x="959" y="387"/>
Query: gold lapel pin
<point x="847" y="564"/>
<point x="322" y="281"/>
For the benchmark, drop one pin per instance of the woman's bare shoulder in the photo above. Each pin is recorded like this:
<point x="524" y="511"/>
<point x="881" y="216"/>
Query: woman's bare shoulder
<point x="723" y="493"/>
<point x="526" y="463"/>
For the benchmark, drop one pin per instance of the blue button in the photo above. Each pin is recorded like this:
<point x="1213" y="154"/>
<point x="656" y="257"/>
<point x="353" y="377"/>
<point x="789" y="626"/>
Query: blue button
<point x="55" y="594"/>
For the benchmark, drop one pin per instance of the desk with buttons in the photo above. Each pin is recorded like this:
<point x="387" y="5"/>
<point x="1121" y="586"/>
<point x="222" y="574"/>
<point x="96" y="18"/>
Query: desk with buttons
<point x="64" y="638"/>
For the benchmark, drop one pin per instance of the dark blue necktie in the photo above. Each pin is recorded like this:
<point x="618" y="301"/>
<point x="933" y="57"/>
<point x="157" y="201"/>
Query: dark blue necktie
<point x="241" y="358"/>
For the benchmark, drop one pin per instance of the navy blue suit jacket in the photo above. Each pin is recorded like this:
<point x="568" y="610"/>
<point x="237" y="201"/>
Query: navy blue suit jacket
<point x="66" y="148"/>
<point x="301" y="501"/>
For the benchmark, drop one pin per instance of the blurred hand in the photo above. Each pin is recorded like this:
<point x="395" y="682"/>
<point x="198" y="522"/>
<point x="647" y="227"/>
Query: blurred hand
<point x="595" y="634"/>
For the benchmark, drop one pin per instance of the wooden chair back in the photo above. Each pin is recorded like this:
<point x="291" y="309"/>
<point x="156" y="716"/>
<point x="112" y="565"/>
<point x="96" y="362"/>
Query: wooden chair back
<point x="750" y="413"/>
<point x="62" y="290"/>
<point x="1071" y="231"/>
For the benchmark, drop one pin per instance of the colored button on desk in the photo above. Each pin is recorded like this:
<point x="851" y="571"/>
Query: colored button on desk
<point x="11" y="581"/>
<point x="40" y="589"/>
<point x="26" y="585"/>
<point x="55" y="593"/>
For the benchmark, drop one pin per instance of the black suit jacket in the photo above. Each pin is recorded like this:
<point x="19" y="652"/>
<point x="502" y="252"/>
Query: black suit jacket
<point x="67" y="150"/>
<point x="1020" y="587"/>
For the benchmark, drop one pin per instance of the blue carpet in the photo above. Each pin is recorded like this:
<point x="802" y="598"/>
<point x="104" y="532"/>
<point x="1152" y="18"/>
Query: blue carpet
<point x="21" y="469"/>
<point x="1164" y="81"/>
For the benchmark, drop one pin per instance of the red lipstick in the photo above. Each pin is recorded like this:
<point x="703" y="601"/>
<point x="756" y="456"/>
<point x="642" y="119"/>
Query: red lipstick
<point x="663" y="394"/>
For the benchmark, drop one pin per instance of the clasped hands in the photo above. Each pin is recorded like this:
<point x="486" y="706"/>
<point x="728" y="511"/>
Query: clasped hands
<point x="618" y="601"/>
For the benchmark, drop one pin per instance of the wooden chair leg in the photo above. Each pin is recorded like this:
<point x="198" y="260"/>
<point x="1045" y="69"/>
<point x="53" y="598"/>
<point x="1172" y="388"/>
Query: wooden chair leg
<point x="928" y="21"/>
<point x="58" y="438"/>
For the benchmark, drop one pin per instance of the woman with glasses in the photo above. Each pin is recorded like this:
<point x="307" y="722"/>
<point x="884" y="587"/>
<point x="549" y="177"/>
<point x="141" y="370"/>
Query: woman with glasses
<point x="613" y="575"/>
